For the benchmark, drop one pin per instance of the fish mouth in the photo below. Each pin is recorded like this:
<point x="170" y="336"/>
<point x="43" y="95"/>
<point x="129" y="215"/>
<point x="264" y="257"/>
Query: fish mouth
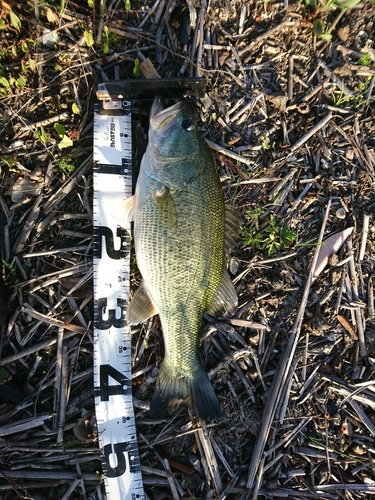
<point x="162" y="119"/>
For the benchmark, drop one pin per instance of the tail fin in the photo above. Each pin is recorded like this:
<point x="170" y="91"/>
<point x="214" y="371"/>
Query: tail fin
<point x="172" y="389"/>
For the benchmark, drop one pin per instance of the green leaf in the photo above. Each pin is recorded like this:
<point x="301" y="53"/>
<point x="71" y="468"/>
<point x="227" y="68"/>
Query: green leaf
<point x="365" y="60"/>
<point x="137" y="68"/>
<point x="89" y="39"/>
<point x="4" y="82"/>
<point x="105" y="47"/>
<point x="57" y="67"/>
<point x="75" y="109"/>
<point x="14" y="51"/>
<point x="320" y="31"/>
<point x="60" y="129"/>
<point x="20" y="82"/>
<point x="32" y="64"/>
<point x="90" y="3"/>
<point x="62" y="6"/>
<point x="2" y="24"/>
<point x="24" y="46"/>
<point x="65" y="142"/>
<point x="5" y="376"/>
<point x="15" y="21"/>
<point x="43" y="135"/>
<point x="128" y="5"/>
<point x="346" y="4"/>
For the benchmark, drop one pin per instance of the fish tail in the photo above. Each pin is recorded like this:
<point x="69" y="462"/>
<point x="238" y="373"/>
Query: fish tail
<point x="172" y="389"/>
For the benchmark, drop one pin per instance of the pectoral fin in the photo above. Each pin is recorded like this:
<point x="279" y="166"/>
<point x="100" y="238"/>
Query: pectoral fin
<point x="165" y="206"/>
<point x="225" y="299"/>
<point x="140" y="307"/>
<point x="128" y="208"/>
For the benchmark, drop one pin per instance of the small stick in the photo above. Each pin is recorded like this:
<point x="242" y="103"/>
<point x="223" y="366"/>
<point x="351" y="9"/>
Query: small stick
<point x="362" y="415"/>
<point x="57" y="388"/>
<point x="216" y="55"/>
<point x="204" y="438"/>
<point x="202" y="13"/>
<point x="58" y="118"/>
<point x="24" y="425"/>
<point x="220" y="454"/>
<point x="311" y="132"/>
<point x="28" y="226"/>
<point x="159" y="12"/>
<point x="64" y="390"/>
<point x="282" y="183"/>
<point x="59" y="475"/>
<point x="30" y="350"/>
<point x="290" y="77"/>
<point x="242" y="19"/>
<point x="357" y="312"/>
<point x="192" y="13"/>
<point x="149" y="14"/>
<point x="362" y="250"/>
<point x="334" y="78"/>
<point x="206" y="47"/>
<point x="268" y="33"/>
<point x="370" y="298"/>
<point x="231" y="485"/>
<point x="229" y="153"/>
<point x="262" y="180"/>
<point x="101" y="21"/>
<point x="26" y="308"/>
<point x="70" y="490"/>
<point x="56" y="251"/>
<point x="170" y="478"/>
<point x="248" y="107"/>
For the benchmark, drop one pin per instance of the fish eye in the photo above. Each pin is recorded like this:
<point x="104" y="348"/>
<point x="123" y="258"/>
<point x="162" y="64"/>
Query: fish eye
<point x="188" y="124"/>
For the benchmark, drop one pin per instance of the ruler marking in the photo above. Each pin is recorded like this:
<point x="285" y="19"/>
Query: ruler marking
<point x="112" y="338"/>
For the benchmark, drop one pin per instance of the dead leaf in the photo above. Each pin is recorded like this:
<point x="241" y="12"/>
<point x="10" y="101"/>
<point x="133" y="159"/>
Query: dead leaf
<point x="51" y="16"/>
<point x="343" y="70"/>
<point x="344" y="32"/>
<point x="279" y="101"/>
<point x="329" y="246"/>
<point x="24" y="189"/>
<point x="348" y="327"/>
<point x="83" y="429"/>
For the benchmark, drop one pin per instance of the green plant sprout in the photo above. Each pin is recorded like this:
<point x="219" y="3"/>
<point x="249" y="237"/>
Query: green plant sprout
<point x="321" y="31"/>
<point x="137" y="68"/>
<point x="65" y="142"/>
<point x="365" y="60"/>
<point x="10" y="266"/>
<point x="66" y="164"/>
<point x="273" y="236"/>
<point x="337" y="101"/>
<point x="266" y="143"/>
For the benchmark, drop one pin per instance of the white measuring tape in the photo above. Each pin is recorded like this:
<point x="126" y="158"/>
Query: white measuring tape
<point x="112" y="338"/>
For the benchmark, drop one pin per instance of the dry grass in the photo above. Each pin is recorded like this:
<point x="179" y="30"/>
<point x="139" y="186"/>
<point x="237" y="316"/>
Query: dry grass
<point x="290" y="116"/>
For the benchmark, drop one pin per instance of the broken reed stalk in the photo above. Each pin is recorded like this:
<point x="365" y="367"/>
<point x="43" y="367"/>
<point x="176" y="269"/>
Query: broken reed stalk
<point x="282" y="372"/>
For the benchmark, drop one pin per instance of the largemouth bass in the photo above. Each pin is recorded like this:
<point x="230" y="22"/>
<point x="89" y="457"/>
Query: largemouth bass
<point x="180" y="222"/>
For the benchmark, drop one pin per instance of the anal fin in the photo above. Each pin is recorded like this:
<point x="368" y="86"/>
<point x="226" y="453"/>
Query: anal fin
<point x="140" y="307"/>
<point x="225" y="300"/>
